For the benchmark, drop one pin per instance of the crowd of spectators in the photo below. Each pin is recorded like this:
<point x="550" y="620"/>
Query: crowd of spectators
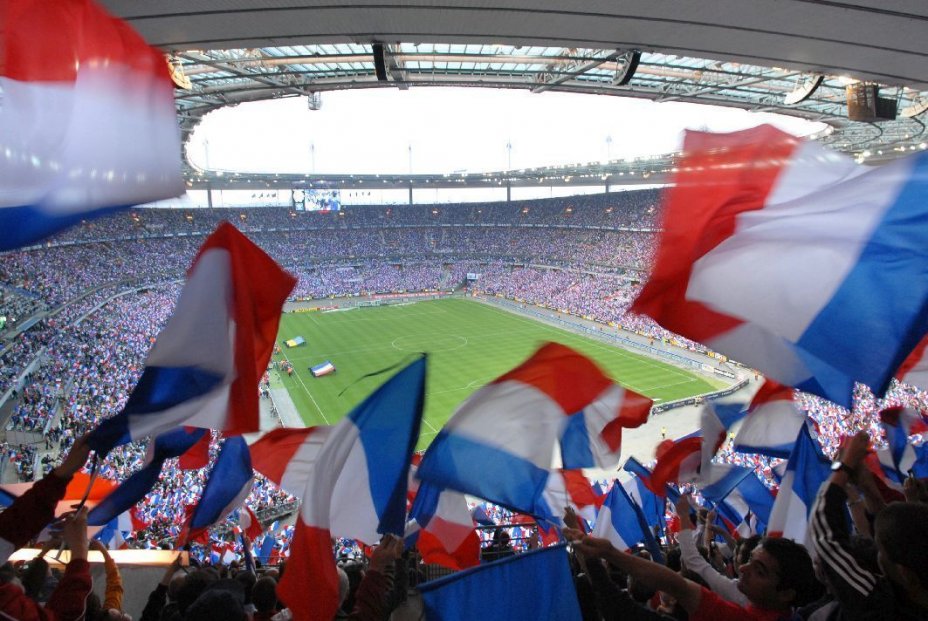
<point x="95" y="346"/>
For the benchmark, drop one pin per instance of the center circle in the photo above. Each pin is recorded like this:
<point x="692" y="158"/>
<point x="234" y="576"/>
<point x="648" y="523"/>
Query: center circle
<point x="429" y="342"/>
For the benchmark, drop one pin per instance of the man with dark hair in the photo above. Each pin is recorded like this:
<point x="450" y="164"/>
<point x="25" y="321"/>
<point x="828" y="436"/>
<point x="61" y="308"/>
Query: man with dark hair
<point x="902" y="543"/>
<point x="777" y="579"/>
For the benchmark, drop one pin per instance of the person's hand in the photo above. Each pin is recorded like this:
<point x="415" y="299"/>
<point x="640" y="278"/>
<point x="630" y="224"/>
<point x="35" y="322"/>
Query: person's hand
<point x="571" y="520"/>
<point x="74" y="533"/>
<point x="390" y="549"/>
<point x="711" y="516"/>
<point x="854" y="450"/>
<point x="172" y="569"/>
<point x="587" y="545"/>
<point x="75" y="460"/>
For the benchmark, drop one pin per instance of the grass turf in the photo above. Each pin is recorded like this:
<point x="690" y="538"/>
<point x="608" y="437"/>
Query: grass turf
<point x="469" y="344"/>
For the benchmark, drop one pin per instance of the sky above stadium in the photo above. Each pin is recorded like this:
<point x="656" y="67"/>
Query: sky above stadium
<point x="445" y="130"/>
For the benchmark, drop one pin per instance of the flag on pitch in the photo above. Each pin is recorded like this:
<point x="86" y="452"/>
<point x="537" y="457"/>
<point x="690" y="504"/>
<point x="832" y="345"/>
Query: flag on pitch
<point x="441" y="527"/>
<point x="355" y="488"/>
<point x="772" y="423"/>
<point x="167" y="445"/>
<point x="793" y="259"/>
<point x="806" y="470"/>
<point x="535" y="585"/>
<point x="88" y="121"/>
<point x="206" y="364"/>
<point x="500" y="443"/>
<point x="621" y="521"/>
<point x="228" y="484"/>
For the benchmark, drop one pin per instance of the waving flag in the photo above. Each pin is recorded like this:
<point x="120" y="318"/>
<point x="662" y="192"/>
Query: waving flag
<point x="229" y="483"/>
<point x="535" y="585"/>
<point x="500" y="443"/>
<point x="678" y="461"/>
<point x="791" y="258"/>
<point x="206" y="364"/>
<point x="592" y="437"/>
<point x="442" y="528"/>
<point x="356" y="488"/>
<point x="914" y="369"/>
<point x="88" y="121"/>
<point x="621" y="522"/>
<point x="899" y="456"/>
<point x="752" y="498"/>
<point x="132" y="490"/>
<point x="249" y="523"/>
<point x="287" y="456"/>
<point x="772" y="423"/>
<point x="806" y="470"/>
<point x="570" y="488"/>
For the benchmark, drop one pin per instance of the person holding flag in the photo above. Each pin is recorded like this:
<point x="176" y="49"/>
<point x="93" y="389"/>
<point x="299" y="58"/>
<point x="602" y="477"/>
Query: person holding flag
<point x="778" y="579"/>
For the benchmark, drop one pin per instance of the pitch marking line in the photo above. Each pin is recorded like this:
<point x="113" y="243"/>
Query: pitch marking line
<point x="309" y="394"/>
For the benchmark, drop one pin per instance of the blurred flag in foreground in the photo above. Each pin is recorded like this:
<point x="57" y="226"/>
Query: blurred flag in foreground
<point x="500" y="443"/>
<point x="535" y="585"/>
<point x="354" y="486"/>
<point x="206" y="364"/>
<point x="794" y="260"/>
<point x="88" y="122"/>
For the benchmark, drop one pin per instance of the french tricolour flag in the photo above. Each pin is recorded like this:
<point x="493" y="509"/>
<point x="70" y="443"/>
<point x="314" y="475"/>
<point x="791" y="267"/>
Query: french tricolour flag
<point x="914" y="369"/>
<point x="229" y="483"/>
<point x="806" y="470"/>
<point x="621" y="522"/>
<point x="793" y="259"/>
<point x="772" y="423"/>
<point x="441" y="526"/>
<point x="500" y="443"/>
<point x="899" y="456"/>
<point x="170" y="444"/>
<point x="354" y="485"/>
<point x="206" y="364"/>
<point x="88" y="122"/>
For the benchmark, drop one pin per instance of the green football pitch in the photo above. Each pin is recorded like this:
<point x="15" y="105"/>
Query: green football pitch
<point x="468" y="343"/>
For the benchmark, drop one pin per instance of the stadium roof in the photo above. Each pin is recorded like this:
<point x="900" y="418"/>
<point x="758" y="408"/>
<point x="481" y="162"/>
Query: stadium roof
<point x="750" y="54"/>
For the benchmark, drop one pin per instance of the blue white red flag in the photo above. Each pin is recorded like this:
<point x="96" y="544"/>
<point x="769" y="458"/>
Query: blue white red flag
<point x="206" y="364"/>
<point x="355" y="488"/>
<point x="621" y="522"/>
<point x="249" y="523"/>
<point x="753" y="501"/>
<point x="914" y="369"/>
<point x="791" y="258"/>
<point x="592" y="437"/>
<point x="88" y="122"/>
<point x="806" y="470"/>
<point x="570" y="488"/>
<point x="773" y="422"/>
<point x="678" y="461"/>
<point x="167" y="445"/>
<point x="535" y="585"/>
<point x="500" y="443"/>
<point x="229" y="483"/>
<point x="441" y="527"/>
<point x="900" y="456"/>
